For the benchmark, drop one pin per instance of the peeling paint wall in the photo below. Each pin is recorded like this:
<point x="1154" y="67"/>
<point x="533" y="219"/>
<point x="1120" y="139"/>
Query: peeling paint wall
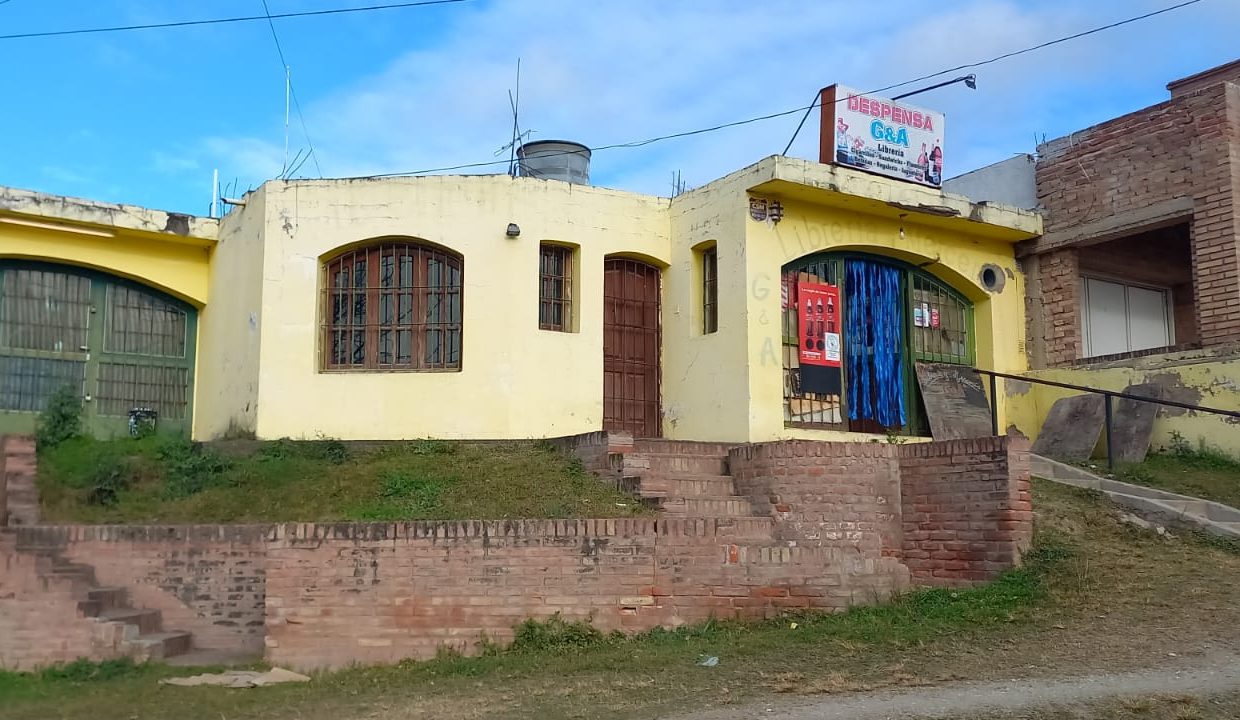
<point x="1210" y="378"/>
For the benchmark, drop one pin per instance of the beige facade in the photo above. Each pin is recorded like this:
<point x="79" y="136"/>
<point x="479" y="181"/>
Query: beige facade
<point x="263" y="341"/>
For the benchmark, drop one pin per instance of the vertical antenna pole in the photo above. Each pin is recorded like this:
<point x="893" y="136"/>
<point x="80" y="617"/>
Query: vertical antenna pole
<point x="288" y="85"/>
<point x="516" y="103"/>
<point x="215" y="190"/>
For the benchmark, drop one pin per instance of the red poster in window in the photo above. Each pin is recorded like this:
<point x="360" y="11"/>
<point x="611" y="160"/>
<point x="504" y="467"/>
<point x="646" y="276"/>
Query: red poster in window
<point x="818" y="310"/>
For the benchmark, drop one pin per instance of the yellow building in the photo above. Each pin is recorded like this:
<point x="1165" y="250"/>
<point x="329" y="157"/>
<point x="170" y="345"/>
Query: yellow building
<point x="501" y="307"/>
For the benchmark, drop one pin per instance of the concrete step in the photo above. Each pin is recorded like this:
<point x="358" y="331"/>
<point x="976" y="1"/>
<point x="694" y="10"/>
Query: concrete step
<point x="147" y="621"/>
<point x="74" y="570"/>
<point x="705" y="507"/>
<point x="160" y="645"/>
<point x="703" y="486"/>
<point x="108" y="598"/>
<point x="681" y="447"/>
<point x="686" y="464"/>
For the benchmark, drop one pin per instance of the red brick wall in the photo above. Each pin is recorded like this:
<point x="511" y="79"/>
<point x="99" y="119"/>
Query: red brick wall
<point x="966" y="509"/>
<point x="827" y="533"/>
<point x="1187" y="147"/>
<point x="207" y="580"/>
<point x="338" y="594"/>
<point x="825" y="494"/>
<point x="39" y="619"/>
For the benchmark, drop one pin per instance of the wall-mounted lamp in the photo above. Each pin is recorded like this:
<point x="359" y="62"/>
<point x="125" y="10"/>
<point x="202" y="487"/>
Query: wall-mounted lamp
<point x="513" y="230"/>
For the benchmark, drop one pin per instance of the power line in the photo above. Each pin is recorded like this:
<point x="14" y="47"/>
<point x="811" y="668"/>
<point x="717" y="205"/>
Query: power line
<point x="1039" y="46"/>
<point x="220" y="21"/>
<point x="817" y="101"/>
<point x="292" y="91"/>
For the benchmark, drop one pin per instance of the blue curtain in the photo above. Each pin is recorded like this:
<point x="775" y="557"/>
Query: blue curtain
<point x="875" y="343"/>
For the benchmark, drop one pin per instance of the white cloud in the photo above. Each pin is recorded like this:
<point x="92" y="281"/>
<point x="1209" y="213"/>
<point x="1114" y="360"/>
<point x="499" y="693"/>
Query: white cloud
<point x="604" y="72"/>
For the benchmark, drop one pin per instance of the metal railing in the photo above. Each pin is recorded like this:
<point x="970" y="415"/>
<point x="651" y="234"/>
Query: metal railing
<point x="1108" y="396"/>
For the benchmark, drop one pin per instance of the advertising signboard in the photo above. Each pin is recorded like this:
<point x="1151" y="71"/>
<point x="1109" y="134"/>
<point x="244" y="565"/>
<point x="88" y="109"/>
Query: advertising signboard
<point x="881" y="136"/>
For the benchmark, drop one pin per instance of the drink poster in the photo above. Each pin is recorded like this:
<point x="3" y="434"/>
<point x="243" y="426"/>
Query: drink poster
<point x="818" y="310"/>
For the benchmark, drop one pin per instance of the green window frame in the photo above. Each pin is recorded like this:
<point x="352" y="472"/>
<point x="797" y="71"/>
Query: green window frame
<point x="123" y="345"/>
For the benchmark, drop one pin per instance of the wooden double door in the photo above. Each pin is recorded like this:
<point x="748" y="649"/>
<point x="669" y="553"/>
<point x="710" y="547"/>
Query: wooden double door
<point x="631" y="343"/>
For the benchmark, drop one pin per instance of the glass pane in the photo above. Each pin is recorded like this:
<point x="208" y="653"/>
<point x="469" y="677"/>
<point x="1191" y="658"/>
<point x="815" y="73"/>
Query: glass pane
<point x="26" y="383"/>
<point x="386" y="269"/>
<point x="385" y="347"/>
<point x="139" y="323"/>
<point x="44" y="310"/>
<point x="124" y="387"/>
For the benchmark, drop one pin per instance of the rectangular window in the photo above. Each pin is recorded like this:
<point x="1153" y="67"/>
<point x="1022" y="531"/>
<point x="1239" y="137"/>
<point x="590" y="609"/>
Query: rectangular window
<point x="710" y="290"/>
<point x="555" y="268"/>
<point x="1121" y="318"/>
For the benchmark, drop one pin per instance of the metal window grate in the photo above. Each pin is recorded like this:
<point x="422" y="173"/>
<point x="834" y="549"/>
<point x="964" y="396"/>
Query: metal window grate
<point x="710" y="290"/>
<point x="44" y="310"/>
<point x="555" y="267"/>
<point x="393" y="306"/>
<point x="27" y="382"/>
<point x="137" y="323"/>
<point x="124" y="386"/>
<point x="940" y="323"/>
<point x="801" y="407"/>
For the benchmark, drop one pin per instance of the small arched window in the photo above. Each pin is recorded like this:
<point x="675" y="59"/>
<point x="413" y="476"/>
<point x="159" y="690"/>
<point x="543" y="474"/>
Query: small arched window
<point x="393" y="306"/>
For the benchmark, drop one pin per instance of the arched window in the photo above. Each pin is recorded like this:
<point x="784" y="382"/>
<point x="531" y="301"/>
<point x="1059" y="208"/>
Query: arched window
<point x="393" y="306"/>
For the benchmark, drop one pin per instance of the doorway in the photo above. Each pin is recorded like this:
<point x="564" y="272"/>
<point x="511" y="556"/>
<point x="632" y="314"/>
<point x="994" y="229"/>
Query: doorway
<point x="631" y="344"/>
<point x="124" y="347"/>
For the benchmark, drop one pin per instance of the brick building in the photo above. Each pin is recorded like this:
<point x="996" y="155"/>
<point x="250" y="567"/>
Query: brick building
<point x="1140" y="246"/>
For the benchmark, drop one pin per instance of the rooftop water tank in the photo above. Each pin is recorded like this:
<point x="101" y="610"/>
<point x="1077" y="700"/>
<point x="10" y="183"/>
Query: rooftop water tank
<point x="555" y="160"/>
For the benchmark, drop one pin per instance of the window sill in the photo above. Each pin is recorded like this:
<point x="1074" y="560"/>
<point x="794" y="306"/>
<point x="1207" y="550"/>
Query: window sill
<point x="385" y="371"/>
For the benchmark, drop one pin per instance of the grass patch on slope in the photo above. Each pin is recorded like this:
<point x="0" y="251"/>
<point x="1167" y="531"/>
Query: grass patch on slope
<point x="1205" y="473"/>
<point x="161" y="480"/>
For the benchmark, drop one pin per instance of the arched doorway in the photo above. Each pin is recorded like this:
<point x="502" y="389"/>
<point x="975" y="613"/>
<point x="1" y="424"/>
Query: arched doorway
<point x="123" y="346"/>
<point x="854" y="324"/>
<point x="631" y="344"/>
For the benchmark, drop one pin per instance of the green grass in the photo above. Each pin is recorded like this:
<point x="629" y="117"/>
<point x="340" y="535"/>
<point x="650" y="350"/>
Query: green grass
<point x="160" y="480"/>
<point x="1203" y="473"/>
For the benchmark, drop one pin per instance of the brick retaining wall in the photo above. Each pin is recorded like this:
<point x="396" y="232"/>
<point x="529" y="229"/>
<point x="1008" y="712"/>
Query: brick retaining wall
<point x="834" y="525"/>
<point x="208" y="580"/>
<point x="966" y="509"/>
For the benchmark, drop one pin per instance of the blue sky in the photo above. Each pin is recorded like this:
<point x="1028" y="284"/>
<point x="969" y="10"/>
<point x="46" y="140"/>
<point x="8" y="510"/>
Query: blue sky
<point x="144" y="117"/>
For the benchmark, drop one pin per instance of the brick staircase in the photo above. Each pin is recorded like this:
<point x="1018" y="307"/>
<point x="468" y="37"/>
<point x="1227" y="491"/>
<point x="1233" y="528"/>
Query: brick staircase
<point x="17" y="473"/>
<point x="120" y="629"/>
<point x="684" y="479"/>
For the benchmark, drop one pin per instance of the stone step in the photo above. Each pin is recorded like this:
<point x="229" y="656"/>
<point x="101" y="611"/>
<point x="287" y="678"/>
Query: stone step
<point x="73" y="570"/>
<point x="109" y="598"/>
<point x="156" y="646"/>
<point x="685" y="464"/>
<point x="147" y="621"/>
<point x="705" y="507"/>
<point x="705" y="486"/>
<point x="681" y="447"/>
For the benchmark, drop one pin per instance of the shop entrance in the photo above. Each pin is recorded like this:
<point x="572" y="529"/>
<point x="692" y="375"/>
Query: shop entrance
<point x="878" y="316"/>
